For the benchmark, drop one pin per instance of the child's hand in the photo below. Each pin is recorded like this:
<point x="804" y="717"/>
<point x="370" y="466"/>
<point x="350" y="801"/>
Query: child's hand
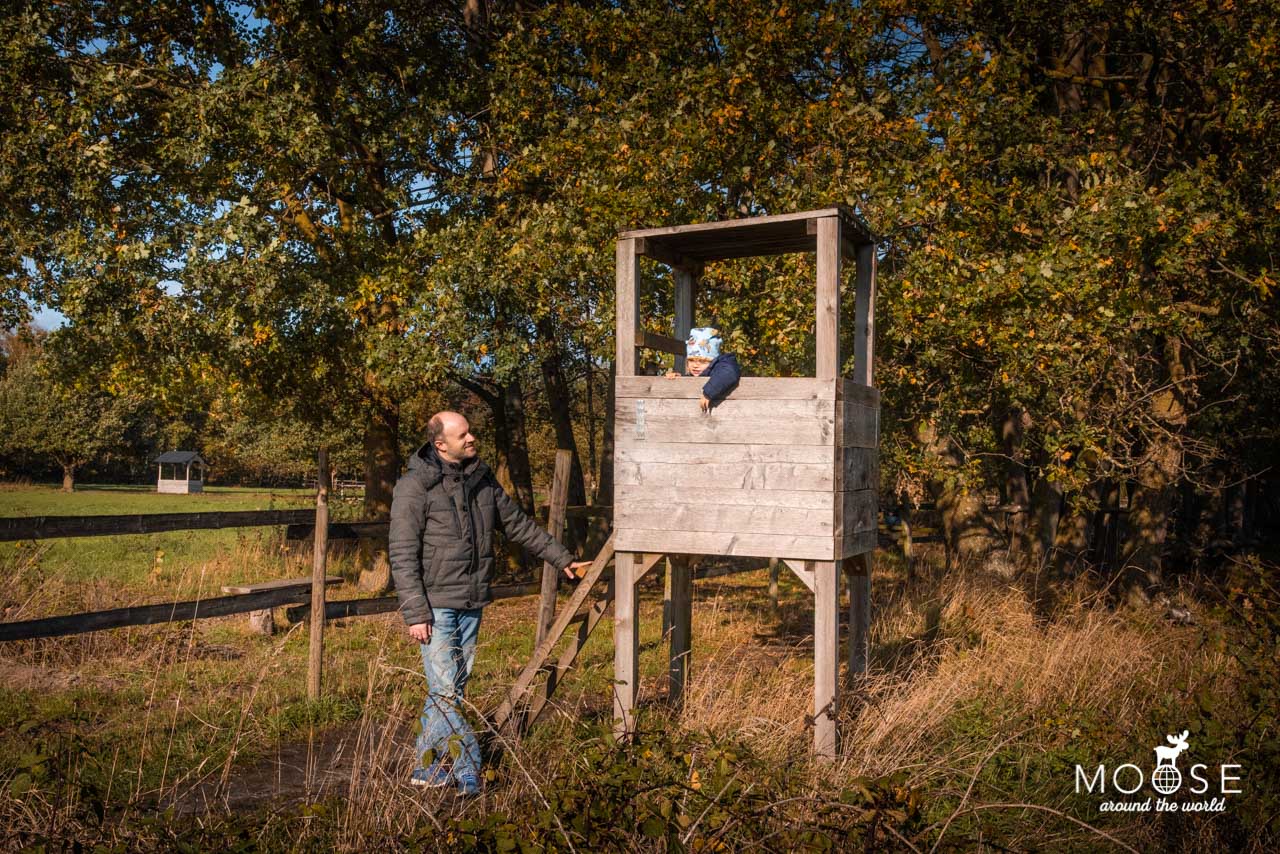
<point x="706" y="404"/>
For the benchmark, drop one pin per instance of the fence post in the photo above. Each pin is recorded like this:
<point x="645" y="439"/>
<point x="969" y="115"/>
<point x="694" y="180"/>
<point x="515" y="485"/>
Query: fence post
<point x="319" y="558"/>
<point x="555" y="527"/>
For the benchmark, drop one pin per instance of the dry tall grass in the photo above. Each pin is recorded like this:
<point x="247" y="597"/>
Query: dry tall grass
<point x="964" y="667"/>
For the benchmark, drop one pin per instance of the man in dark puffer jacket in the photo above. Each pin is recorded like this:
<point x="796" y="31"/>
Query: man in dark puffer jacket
<point x="441" y="549"/>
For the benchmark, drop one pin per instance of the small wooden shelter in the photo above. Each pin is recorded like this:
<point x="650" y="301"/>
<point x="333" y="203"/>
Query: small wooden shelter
<point x="782" y="467"/>
<point x="185" y="470"/>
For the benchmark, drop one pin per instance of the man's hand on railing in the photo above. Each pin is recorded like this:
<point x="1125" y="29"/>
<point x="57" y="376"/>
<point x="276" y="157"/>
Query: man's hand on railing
<point x="577" y="569"/>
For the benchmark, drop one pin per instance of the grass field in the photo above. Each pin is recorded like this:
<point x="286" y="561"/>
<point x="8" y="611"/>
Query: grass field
<point x="980" y="700"/>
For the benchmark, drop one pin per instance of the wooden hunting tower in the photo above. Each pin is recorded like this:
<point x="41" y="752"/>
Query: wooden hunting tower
<point x="781" y="468"/>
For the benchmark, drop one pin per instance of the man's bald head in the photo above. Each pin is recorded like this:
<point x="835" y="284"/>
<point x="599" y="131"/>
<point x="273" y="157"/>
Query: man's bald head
<point x="451" y="435"/>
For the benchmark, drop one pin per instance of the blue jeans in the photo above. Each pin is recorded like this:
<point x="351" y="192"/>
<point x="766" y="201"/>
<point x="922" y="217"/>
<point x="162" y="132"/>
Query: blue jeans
<point x="447" y="659"/>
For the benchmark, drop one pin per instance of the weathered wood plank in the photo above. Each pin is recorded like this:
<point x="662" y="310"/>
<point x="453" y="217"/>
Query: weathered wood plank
<point x="861" y="469"/>
<point x="713" y="476"/>
<point x="857" y="543"/>
<point x="341" y="531"/>
<point x="319" y="557"/>
<point x="386" y="604"/>
<point x="729" y="409"/>
<point x="859" y="510"/>
<point x="826" y="657"/>
<point x="662" y="343"/>
<point x="861" y="426"/>
<point x="735" y="227"/>
<point x="828" y="298"/>
<point x="278" y="584"/>
<point x="683" y="320"/>
<point x="626" y="642"/>
<point x="50" y="527"/>
<point x="864" y="333"/>
<point x="543" y="651"/>
<point x="803" y="570"/>
<point x="555" y="527"/>
<point x="628" y="308"/>
<point x="856" y="392"/>
<point x="680" y="607"/>
<point x="723" y="519"/>
<point x="748" y="388"/>
<point x="146" y="615"/>
<point x="857" y="572"/>
<point x="635" y="423"/>
<point x="819" y="500"/>
<point x="712" y="543"/>
<point x="685" y="453"/>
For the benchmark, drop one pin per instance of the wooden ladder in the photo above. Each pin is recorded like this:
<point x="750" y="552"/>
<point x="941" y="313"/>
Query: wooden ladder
<point x="524" y="703"/>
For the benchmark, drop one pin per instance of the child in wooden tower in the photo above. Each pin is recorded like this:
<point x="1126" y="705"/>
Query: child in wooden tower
<point x="704" y="359"/>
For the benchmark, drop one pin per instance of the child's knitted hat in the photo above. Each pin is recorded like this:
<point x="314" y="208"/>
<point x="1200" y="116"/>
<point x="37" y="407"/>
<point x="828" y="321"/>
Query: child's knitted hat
<point x="704" y="342"/>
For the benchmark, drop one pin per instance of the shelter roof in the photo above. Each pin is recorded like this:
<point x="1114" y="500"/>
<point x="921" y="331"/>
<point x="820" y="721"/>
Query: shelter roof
<point x="179" y="457"/>
<point x="742" y="238"/>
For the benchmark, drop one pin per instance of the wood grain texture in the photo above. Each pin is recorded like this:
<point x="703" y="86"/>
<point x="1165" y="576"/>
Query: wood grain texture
<point x="762" y="477"/>
<point x="723" y="519"/>
<point x="803" y="570"/>
<point x="628" y="308"/>
<point x="713" y="543"/>
<point x="278" y="584"/>
<point x="748" y="388"/>
<point x="861" y="426"/>
<point x="680" y="610"/>
<point x="683" y="320"/>
<point x="686" y="453"/>
<point x="50" y="527"/>
<point x="857" y="572"/>
<point x="864" y="334"/>
<point x="659" y="493"/>
<point x="662" y="343"/>
<point x="826" y="657"/>
<point x="828" y="298"/>
<point x="555" y="527"/>
<point x="668" y="425"/>
<point x="626" y="643"/>
<point x="319" y="561"/>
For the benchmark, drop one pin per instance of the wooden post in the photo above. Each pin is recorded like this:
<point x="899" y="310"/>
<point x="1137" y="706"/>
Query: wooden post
<point x="555" y="527"/>
<point x="315" y="661"/>
<point x="680" y="583"/>
<point x="864" y="333"/>
<point x="826" y="657"/>
<point x="684" y="312"/>
<point x="857" y="571"/>
<point x="775" y="569"/>
<point x="628" y="307"/>
<point x="828" y="298"/>
<point x="666" y="599"/>
<point x="626" y="643"/>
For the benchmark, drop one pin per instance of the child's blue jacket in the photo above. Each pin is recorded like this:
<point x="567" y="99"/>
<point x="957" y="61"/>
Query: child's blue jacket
<point x="722" y="375"/>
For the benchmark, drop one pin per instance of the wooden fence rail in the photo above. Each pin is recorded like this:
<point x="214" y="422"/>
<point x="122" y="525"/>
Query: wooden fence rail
<point x="50" y="527"/>
<point x="145" y="615"/>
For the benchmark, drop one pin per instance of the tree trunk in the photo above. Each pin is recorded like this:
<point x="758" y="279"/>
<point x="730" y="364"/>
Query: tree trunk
<point x="1046" y="512"/>
<point x="1016" y="492"/>
<point x="381" y="468"/>
<point x="518" y="450"/>
<point x="1155" y="494"/>
<point x="604" y="493"/>
<point x="560" y="404"/>
<point x="965" y="524"/>
<point x="68" y="478"/>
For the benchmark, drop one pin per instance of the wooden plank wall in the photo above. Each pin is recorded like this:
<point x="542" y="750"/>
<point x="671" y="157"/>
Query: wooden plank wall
<point x="781" y="467"/>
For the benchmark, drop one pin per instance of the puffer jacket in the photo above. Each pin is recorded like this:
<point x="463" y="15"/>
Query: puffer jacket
<point x="722" y="376"/>
<point x="441" y="540"/>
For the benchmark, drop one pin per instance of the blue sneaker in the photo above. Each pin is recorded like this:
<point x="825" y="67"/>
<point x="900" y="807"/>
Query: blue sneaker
<point x="468" y="785"/>
<point x="432" y="777"/>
